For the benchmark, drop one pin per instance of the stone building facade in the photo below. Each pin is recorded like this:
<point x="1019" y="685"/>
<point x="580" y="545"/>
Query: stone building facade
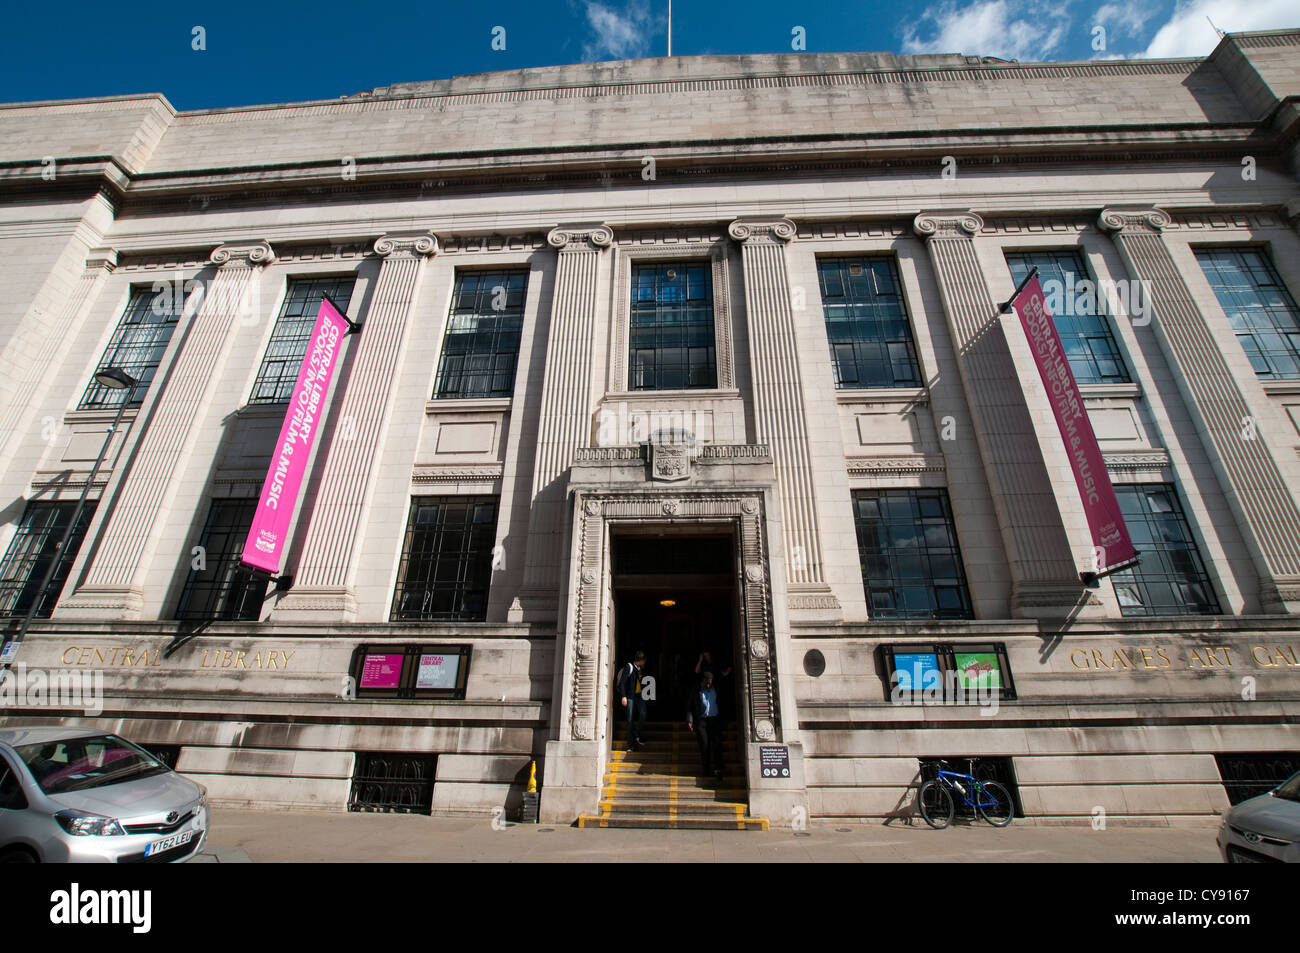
<point x="751" y="299"/>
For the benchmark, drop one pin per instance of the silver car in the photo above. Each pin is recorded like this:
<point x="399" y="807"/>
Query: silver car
<point x="1264" y="829"/>
<point x="78" y="794"/>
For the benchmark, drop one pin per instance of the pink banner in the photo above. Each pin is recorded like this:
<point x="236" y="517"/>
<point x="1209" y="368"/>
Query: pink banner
<point x="1109" y="534"/>
<point x="269" y="533"/>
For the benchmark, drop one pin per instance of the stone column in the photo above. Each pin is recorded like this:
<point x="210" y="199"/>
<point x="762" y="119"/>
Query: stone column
<point x="1044" y="577"/>
<point x="22" y="392"/>
<point x="323" y="575"/>
<point x="144" y="488"/>
<point x="564" y="424"/>
<point x="780" y="412"/>
<point x="1263" y="504"/>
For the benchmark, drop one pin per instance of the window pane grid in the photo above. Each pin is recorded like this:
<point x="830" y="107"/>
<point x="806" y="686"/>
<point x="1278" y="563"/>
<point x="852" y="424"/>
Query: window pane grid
<point x="481" y="346"/>
<point x="446" y="564"/>
<point x="866" y="322"/>
<point x="292" y="334"/>
<point x="671" y="327"/>
<point x="1089" y="345"/>
<point x="1258" y="305"/>
<point x="32" y="550"/>
<point x="911" y="564"/>
<point x="222" y="589"/>
<point x="1170" y="578"/>
<point x="137" y="347"/>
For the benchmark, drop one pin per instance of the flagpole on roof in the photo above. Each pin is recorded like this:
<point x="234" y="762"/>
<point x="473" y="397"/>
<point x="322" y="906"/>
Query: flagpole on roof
<point x="670" y="27"/>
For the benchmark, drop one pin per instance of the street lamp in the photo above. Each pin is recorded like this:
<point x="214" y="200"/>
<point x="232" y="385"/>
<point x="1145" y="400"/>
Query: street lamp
<point x="114" y="378"/>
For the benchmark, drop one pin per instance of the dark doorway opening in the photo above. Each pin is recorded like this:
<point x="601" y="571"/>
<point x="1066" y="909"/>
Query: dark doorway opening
<point x="675" y="599"/>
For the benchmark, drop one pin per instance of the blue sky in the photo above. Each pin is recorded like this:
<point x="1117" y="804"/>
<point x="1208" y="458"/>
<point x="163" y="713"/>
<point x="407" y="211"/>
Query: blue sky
<point x="274" y="51"/>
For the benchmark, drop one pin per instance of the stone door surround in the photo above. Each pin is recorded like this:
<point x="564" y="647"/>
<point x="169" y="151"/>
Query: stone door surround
<point x="743" y="513"/>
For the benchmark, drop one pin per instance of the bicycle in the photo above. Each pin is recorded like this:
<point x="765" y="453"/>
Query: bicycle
<point x="986" y="799"/>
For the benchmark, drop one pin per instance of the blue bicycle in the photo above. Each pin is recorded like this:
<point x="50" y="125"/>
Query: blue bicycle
<point x="986" y="799"/>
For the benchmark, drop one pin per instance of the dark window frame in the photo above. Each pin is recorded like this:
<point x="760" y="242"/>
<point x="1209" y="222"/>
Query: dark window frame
<point x="1260" y="319"/>
<point x="227" y="590"/>
<point x="870" y="334"/>
<point x="135" y="336"/>
<point x="1155" y="566"/>
<point x="945" y="657"/>
<point x="880" y="561"/>
<point x="467" y="576"/>
<point x="411" y="653"/>
<point x="672" y="326"/>
<point x="1088" y="340"/>
<point x="479" y="356"/>
<point x="17" y="593"/>
<point x="291" y="335"/>
<point x="393" y="782"/>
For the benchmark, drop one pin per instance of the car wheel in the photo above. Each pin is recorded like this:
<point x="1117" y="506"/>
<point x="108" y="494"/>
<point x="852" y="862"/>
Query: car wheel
<point x="17" y="855"/>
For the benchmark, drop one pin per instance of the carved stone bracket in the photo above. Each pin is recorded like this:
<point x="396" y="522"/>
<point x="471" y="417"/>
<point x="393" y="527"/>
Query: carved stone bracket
<point x="774" y="230"/>
<point x="580" y="237"/>
<point x="1125" y="219"/>
<point x="957" y="223"/>
<point x="101" y="259"/>
<point x="241" y="254"/>
<point x="415" y="244"/>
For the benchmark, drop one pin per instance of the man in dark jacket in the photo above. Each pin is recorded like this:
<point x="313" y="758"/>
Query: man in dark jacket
<point x="702" y="718"/>
<point x="630" y="697"/>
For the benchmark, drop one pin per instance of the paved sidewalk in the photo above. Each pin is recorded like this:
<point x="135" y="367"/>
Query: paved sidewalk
<point x="265" y="836"/>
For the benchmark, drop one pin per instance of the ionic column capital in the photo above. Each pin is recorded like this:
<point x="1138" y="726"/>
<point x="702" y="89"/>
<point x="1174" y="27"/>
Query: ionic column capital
<point x="762" y="230"/>
<point x="581" y="237"/>
<point x="948" y="223"/>
<point x="1121" y="218"/>
<point x="243" y="254"/>
<point x="407" y="244"/>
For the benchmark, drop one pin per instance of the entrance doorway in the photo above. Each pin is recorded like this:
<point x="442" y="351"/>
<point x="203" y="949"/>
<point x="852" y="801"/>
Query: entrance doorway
<point x="675" y="600"/>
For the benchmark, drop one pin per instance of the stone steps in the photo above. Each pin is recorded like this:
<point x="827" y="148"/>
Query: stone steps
<point x="659" y="786"/>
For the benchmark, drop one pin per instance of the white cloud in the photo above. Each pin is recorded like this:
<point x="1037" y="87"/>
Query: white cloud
<point x="1188" y="34"/>
<point x="1010" y="29"/>
<point x="1130" y="17"/>
<point x="617" y="36"/>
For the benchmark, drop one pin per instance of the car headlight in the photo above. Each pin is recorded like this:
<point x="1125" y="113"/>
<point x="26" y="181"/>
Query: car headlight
<point x="83" y="823"/>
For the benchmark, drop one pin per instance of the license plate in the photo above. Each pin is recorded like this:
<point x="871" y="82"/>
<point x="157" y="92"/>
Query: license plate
<point x="167" y="843"/>
<point x="1238" y="856"/>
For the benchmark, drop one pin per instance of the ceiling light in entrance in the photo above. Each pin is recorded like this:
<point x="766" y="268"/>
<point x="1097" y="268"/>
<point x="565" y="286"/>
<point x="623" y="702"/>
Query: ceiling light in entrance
<point x="668" y="603"/>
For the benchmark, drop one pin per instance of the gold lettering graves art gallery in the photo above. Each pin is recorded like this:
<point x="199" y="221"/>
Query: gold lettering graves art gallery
<point x="125" y="656"/>
<point x="1202" y="658"/>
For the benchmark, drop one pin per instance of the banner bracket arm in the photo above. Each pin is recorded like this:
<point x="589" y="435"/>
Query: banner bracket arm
<point x="1005" y="307"/>
<point x="353" y="327"/>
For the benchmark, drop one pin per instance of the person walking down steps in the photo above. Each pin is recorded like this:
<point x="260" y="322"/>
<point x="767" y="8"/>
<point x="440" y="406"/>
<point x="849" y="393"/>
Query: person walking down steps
<point x="702" y="718"/>
<point x="629" y="692"/>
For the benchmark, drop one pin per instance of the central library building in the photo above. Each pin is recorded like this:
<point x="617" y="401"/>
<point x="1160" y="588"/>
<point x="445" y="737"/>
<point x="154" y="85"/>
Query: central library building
<point x="680" y="356"/>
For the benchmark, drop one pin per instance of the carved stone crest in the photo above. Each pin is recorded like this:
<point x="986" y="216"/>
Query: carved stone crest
<point x="754" y="573"/>
<point x="670" y="461"/>
<point x="765" y="730"/>
<point x="589" y="576"/>
<point x="592" y="507"/>
<point x="670" y="507"/>
<point x="749" y="507"/>
<point x="759" y="648"/>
